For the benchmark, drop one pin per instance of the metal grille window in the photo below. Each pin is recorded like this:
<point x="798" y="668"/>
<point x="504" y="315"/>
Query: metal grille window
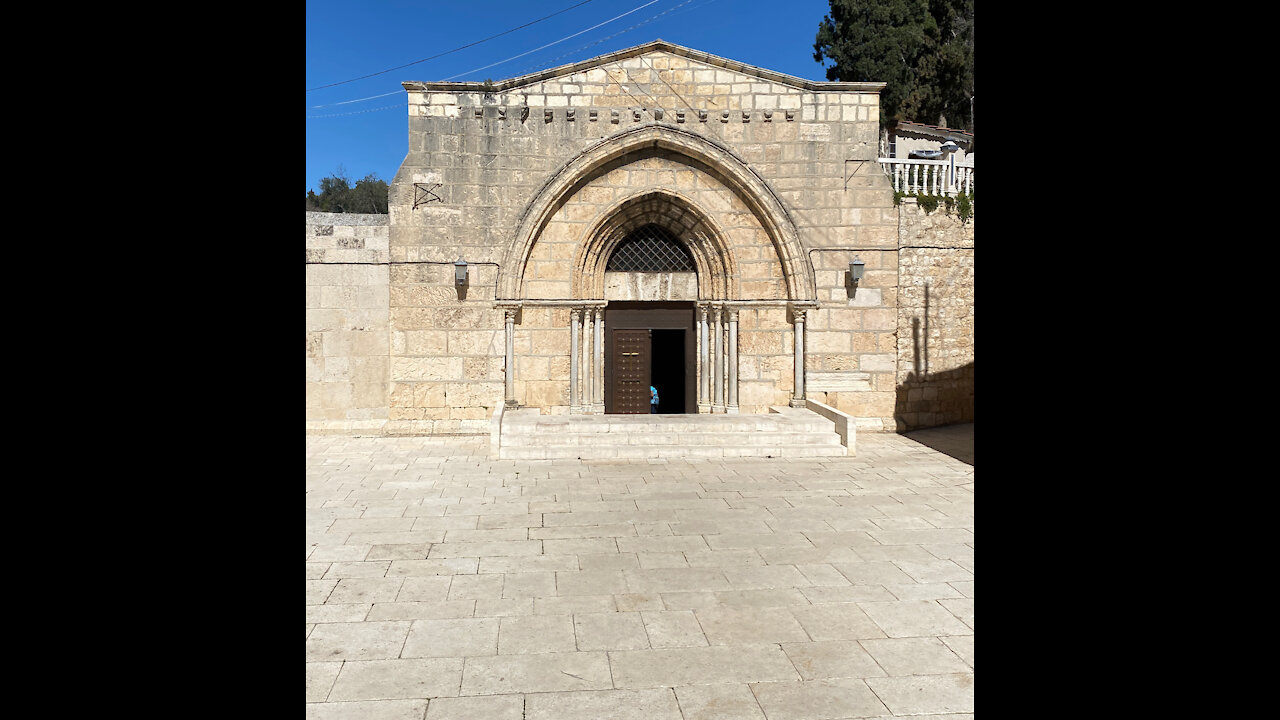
<point x="650" y="248"/>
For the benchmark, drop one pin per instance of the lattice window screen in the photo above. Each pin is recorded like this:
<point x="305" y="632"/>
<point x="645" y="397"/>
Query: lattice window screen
<point x="650" y="248"/>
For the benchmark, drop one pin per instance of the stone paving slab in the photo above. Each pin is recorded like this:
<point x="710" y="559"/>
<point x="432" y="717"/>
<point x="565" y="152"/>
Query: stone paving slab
<point x="443" y="584"/>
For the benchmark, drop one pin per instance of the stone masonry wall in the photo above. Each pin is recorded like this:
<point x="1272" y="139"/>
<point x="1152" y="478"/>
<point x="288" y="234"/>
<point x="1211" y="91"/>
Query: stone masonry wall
<point x="347" y="302"/>
<point x="477" y="159"/>
<point x="935" y="319"/>
<point x="851" y="339"/>
<point x="765" y="370"/>
<point x="915" y="305"/>
<point x="447" y="348"/>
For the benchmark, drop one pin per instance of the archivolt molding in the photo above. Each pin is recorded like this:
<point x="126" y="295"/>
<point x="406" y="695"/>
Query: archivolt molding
<point x="733" y="171"/>
<point x="717" y="270"/>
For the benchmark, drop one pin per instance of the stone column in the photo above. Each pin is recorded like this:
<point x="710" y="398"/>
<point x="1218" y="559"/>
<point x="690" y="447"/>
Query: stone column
<point x="510" y="314"/>
<point x="575" y="321"/>
<point x="598" y="395"/>
<point x="588" y="360"/>
<point x="733" y="361"/>
<point x="704" y="367"/>
<point x="798" y="317"/>
<point x="717" y="378"/>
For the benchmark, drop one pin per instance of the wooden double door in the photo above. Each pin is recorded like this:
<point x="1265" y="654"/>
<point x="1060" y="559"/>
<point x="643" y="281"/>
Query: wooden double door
<point x="631" y="352"/>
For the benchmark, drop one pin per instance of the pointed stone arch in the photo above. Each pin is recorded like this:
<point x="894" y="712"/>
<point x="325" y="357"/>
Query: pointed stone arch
<point x="701" y="236"/>
<point x="735" y="173"/>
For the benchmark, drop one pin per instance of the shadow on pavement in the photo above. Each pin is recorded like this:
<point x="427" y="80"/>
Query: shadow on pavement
<point x="953" y="440"/>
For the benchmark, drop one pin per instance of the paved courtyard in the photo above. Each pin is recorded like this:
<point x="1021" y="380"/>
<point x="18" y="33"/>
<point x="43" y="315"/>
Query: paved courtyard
<point x="444" y="585"/>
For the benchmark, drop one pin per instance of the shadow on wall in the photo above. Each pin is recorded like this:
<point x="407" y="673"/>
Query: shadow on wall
<point x="927" y="400"/>
<point x="932" y="399"/>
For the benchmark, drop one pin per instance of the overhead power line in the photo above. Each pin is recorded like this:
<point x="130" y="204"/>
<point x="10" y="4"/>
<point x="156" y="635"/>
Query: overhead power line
<point x="500" y="62"/>
<point x="464" y="47"/>
<point x="357" y="112"/>
<point x="607" y="38"/>
<point x="348" y="102"/>
<point x="568" y="37"/>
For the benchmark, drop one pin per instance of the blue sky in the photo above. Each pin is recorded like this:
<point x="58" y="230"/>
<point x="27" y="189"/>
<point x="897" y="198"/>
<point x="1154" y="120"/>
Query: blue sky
<point x="348" y="40"/>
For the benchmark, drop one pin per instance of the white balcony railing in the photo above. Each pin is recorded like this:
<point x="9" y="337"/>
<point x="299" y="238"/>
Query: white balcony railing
<point x="928" y="177"/>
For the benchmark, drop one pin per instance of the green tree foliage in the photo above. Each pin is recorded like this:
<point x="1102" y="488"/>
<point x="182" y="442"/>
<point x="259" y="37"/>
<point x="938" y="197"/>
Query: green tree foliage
<point x="922" y="49"/>
<point x="338" y="195"/>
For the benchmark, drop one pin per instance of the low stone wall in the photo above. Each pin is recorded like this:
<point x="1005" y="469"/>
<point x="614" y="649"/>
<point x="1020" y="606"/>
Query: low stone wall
<point x="347" y="357"/>
<point x="935" y="319"/>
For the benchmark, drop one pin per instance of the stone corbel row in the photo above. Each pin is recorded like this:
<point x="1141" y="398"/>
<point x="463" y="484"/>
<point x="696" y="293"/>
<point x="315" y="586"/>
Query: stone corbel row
<point x="615" y="116"/>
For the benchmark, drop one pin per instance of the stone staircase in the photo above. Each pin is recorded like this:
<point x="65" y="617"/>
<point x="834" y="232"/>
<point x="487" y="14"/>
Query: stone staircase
<point x="785" y="432"/>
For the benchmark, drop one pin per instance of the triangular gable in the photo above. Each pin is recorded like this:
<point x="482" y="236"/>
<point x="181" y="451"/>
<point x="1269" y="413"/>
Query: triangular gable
<point x="649" y="64"/>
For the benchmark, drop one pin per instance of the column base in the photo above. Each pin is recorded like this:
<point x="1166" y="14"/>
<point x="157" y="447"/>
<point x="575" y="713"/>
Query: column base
<point x="704" y="409"/>
<point x="717" y="409"/>
<point x="731" y="410"/>
<point x="511" y="404"/>
<point x="797" y="403"/>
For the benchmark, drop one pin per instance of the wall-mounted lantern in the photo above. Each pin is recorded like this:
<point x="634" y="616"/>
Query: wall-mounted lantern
<point x="460" y="272"/>
<point x="856" y="269"/>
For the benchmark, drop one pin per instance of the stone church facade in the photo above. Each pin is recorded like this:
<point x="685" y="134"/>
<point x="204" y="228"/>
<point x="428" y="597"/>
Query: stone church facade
<point x="657" y="215"/>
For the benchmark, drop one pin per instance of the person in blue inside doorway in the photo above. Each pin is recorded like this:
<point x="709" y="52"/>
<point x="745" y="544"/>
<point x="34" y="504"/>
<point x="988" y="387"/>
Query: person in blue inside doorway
<point x="653" y="400"/>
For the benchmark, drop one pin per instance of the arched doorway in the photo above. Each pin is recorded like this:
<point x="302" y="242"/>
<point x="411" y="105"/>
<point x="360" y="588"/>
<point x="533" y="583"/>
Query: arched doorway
<point x="650" y="340"/>
<point x="648" y="259"/>
<point x="673" y="185"/>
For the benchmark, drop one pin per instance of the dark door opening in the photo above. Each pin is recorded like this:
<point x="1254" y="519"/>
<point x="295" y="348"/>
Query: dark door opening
<point x="667" y="370"/>
<point x="650" y="343"/>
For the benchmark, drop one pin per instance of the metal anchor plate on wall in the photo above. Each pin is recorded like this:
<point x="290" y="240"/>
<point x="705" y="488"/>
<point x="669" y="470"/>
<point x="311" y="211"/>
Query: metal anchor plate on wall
<point x="428" y="188"/>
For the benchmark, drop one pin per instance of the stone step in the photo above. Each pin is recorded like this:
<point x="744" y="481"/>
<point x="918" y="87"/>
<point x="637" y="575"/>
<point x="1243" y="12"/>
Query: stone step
<point x="667" y="437"/>
<point x="526" y="422"/>
<point x="786" y="432"/>
<point x="638" y="452"/>
<point x="601" y="430"/>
